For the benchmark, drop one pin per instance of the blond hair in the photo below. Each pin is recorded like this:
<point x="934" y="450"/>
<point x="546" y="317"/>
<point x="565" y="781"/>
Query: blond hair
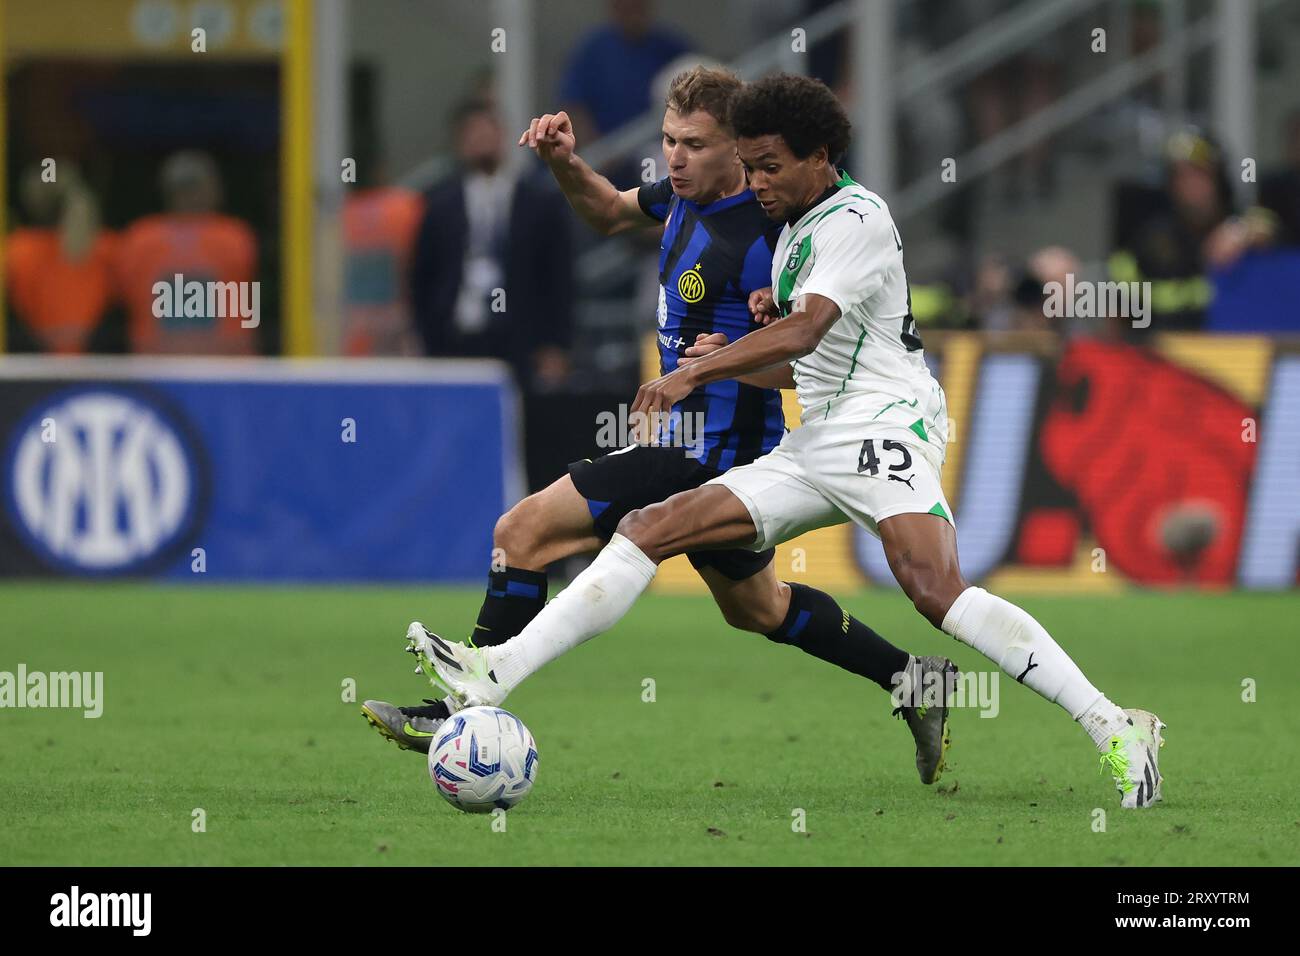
<point x="706" y="89"/>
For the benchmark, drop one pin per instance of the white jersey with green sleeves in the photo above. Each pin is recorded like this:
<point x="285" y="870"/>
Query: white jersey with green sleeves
<point x="869" y="367"/>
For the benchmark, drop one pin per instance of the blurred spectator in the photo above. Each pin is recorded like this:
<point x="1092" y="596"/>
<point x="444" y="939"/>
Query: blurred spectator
<point x="59" y="269"/>
<point x="1012" y="90"/>
<point x="379" y="225"/>
<point x="607" y="80"/>
<point x="1195" y="230"/>
<point x="1015" y="301"/>
<point x="991" y="294"/>
<point x="1052" y="265"/>
<point x="1279" y="190"/>
<point x="492" y="270"/>
<point x="193" y="240"/>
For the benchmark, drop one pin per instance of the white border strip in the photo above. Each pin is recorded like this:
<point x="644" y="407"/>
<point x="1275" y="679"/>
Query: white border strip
<point x="380" y="371"/>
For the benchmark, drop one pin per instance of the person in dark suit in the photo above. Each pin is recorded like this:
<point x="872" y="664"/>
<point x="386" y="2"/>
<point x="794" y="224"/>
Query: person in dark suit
<point x="492" y="272"/>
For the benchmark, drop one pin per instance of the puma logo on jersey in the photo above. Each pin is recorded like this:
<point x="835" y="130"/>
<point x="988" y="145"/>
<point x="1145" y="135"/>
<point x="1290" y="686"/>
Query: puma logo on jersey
<point x="860" y="215"/>
<point x="907" y="481"/>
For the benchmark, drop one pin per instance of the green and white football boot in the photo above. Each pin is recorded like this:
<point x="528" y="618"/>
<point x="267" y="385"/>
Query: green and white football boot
<point x="1132" y="757"/>
<point x="461" y="670"/>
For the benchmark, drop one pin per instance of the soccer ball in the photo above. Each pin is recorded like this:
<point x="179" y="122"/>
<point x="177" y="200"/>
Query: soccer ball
<point x="482" y="759"/>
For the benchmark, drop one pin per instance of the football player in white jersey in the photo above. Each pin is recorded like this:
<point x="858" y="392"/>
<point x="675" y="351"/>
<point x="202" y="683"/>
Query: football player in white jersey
<point x="869" y="449"/>
<point x="702" y="207"/>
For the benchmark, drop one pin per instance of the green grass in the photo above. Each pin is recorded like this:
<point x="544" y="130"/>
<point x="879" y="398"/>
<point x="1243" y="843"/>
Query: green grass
<point x="229" y="699"/>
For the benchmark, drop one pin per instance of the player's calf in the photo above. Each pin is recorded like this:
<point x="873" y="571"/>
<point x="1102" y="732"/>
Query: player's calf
<point x="757" y="604"/>
<point x="923" y="558"/>
<point x="932" y="596"/>
<point x="816" y="624"/>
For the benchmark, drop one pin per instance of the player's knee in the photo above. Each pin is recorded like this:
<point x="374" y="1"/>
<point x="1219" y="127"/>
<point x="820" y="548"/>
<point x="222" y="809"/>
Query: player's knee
<point x="518" y="532"/>
<point x="641" y="528"/>
<point x="636" y="526"/>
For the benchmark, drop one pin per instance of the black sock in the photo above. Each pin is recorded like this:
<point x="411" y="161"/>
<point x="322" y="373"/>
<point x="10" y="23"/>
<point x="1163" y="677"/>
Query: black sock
<point x="434" y="709"/>
<point x="514" y="596"/>
<point x="817" y="625"/>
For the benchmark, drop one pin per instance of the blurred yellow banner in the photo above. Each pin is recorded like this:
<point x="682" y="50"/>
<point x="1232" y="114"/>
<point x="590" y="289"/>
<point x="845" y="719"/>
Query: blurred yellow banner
<point x="142" y="28"/>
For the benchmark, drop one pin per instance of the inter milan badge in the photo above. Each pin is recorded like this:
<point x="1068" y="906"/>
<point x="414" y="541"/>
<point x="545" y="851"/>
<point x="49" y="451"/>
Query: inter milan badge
<point x="691" y="285"/>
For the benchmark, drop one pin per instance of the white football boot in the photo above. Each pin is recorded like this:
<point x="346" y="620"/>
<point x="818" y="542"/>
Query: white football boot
<point x="460" y="670"/>
<point x="1132" y="759"/>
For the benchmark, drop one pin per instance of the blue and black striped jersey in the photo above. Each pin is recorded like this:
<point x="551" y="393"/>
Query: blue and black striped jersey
<point x="711" y="258"/>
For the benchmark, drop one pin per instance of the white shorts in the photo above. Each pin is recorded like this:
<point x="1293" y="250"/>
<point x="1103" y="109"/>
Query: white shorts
<point x="828" y="473"/>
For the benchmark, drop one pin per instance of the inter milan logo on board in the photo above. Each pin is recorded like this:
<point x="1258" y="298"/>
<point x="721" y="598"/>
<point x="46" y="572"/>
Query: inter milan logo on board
<point x="691" y="284"/>
<point x="101" y="481"/>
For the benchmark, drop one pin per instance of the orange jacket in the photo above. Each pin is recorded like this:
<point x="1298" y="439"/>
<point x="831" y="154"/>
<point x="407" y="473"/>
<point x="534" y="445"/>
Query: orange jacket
<point x="59" y="300"/>
<point x="378" y="233"/>
<point x="198" y="247"/>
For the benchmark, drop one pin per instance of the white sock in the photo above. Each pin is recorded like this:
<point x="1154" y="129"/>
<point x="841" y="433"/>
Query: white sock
<point x="1012" y="639"/>
<point x="594" y="602"/>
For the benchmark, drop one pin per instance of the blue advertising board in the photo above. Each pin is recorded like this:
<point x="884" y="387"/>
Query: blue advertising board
<point x="254" y="470"/>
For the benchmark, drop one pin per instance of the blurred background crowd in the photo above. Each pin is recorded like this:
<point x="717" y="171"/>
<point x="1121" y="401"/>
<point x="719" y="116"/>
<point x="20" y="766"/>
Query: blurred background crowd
<point x="1017" y="152"/>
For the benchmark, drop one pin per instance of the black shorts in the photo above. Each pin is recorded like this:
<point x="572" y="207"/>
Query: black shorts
<point x="643" y="475"/>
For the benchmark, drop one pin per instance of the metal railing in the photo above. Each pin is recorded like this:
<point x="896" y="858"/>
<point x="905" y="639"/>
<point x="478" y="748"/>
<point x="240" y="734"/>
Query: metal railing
<point x="1013" y="31"/>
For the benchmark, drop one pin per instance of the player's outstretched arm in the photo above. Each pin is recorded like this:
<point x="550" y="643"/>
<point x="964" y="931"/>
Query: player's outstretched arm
<point x="593" y="197"/>
<point x="762" y="306"/>
<point x="793" y="337"/>
<point x="782" y="376"/>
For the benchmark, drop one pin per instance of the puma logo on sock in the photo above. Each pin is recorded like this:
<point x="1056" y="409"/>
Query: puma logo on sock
<point x="1031" y="666"/>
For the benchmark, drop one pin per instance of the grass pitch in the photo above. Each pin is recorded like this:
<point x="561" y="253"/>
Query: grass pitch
<point x="230" y="700"/>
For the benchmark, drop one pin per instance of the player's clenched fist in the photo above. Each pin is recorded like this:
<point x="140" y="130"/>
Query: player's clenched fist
<point x="763" y="307"/>
<point x="552" y="136"/>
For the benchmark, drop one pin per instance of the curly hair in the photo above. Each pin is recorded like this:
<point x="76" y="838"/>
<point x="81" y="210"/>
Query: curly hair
<point x="802" y="111"/>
